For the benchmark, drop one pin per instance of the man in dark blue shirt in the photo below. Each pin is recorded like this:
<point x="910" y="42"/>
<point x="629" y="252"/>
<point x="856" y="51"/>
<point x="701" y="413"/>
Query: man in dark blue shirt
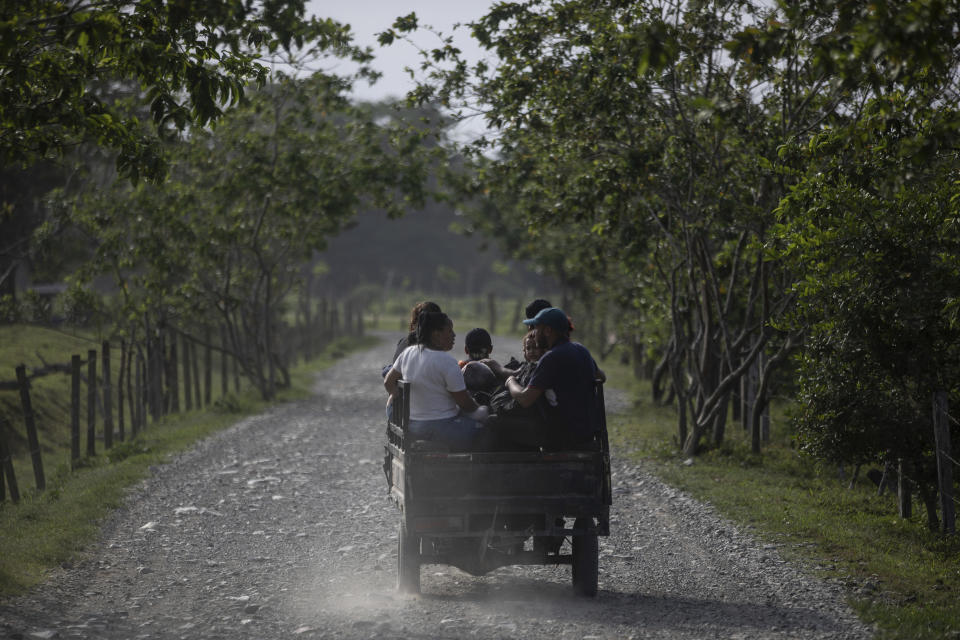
<point x="565" y="378"/>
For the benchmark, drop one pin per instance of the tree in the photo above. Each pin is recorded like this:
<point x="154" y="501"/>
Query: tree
<point x="190" y="61"/>
<point x="222" y="242"/>
<point x="722" y="147"/>
<point x="80" y="72"/>
<point x="872" y="226"/>
<point x="628" y="127"/>
<point x="868" y="225"/>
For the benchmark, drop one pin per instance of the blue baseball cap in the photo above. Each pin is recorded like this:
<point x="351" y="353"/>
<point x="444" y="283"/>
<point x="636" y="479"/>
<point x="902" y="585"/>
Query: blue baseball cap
<point x="552" y="317"/>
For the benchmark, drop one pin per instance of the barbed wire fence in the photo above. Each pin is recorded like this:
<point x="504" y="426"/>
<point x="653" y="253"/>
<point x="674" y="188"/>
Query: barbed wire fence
<point x="154" y="373"/>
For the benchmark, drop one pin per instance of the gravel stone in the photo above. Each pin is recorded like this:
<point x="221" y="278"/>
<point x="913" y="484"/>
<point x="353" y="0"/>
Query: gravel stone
<point x="280" y="527"/>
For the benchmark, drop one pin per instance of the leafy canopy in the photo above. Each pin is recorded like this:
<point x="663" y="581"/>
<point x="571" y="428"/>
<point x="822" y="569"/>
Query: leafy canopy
<point x="187" y="61"/>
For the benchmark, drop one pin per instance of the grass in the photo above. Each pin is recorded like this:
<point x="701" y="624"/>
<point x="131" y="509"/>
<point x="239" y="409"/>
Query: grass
<point x="50" y="395"/>
<point x="45" y="530"/>
<point x="899" y="576"/>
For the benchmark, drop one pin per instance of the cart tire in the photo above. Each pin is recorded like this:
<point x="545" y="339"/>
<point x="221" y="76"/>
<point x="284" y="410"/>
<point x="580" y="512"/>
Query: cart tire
<point x="586" y="561"/>
<point x="408" y="561"/>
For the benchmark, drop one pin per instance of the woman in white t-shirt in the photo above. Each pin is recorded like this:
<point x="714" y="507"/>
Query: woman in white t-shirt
<point x="441" y="408"/>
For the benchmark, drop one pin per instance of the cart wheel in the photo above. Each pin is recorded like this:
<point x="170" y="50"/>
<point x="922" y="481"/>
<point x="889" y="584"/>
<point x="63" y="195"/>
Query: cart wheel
<point x="408" y="561"/>
<point x="586" y="554"/>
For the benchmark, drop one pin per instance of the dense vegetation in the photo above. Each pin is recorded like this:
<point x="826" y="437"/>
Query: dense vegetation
<point x="254" y="159"/>
<point x="756" y="187"/>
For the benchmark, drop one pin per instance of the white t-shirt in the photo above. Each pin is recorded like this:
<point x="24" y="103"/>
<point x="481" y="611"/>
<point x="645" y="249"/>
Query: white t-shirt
<point x="432" y="376"/>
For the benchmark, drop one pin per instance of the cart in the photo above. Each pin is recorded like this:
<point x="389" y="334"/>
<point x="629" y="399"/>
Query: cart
<point x="483" y="510"/>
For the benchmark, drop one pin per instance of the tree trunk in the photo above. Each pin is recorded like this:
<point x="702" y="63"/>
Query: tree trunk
<point x="659" y="372"/>
<point x="720" y="421"/>
<point x="941" y="427"/>
<point x="637" y="357"/>
<point x="173" y="382"/>
<point x="187" y="382"/>
<point x="224" y="375"/>
<point x="904" y="504"/>
<point x="207" y="368"/>
<point x="121" y="376"/>
<point x="930" y="502"/>
<point x="107" y="397"/>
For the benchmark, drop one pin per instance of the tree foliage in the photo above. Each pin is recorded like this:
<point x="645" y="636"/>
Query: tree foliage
<point x="627" y="128"/>
<point x="223" y="240"/>
<point x="872" y="228"/>
<point x="769" y="174"/>
<point x="187" y="60"/>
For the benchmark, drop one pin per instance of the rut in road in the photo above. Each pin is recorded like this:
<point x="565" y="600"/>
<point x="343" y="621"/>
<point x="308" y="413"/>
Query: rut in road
<point x="280" y="527"/>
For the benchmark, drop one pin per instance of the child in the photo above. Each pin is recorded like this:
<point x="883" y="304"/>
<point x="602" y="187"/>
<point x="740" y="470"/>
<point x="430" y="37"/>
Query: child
<point x="477" y="345"/>
<point x="479" y="378"/>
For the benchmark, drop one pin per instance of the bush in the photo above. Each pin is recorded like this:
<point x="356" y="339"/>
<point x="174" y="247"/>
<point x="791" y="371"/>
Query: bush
<point x="81" y="306"/>
<point x="10" y="310"/>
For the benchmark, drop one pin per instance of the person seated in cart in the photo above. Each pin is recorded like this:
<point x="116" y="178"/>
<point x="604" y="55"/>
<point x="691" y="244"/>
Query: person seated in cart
<point x="565" y="376"/>
<point x="520" y="371"/>
<point x="441" y="409"/>
<point x="411" y="338"/>
<point x="514" y="427"/>
<point x="479" y="377"/>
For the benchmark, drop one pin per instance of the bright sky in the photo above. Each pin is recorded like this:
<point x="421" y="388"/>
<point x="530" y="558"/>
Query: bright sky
<point x="369" y="17"/>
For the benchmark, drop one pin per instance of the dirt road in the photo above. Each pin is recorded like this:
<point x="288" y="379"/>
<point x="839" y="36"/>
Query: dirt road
<point x="280" y="527"/>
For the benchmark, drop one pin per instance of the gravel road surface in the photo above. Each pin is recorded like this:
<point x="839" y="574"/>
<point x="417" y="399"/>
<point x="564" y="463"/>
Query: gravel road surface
<point x="280" y="527"/>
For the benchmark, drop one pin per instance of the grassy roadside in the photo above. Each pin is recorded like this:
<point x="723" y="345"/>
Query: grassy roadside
<point x="46" y="530"/>
<point x="899" y="576"/>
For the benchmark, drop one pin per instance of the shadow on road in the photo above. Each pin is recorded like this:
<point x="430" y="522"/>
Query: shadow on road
<point x="537" y="599"/>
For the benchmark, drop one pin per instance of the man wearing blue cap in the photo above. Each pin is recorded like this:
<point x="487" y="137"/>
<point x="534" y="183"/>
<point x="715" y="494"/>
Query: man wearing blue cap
<point x="565" y="377"/>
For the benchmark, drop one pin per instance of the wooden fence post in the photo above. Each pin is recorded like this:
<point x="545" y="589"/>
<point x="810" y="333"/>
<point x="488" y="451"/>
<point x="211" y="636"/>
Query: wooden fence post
<point x="941" y="430"/>
<point x="148" y="376"/>
<point x="207" y="368"/>
<point x="187" y="388"/>
<point x="903" y="491"/>
<point x="224" y="377"/>
<point x="148" y="380"/>
<point x="31" y="425"/>
<point x="173" y="384"/>
<point x="348" y="318"/>
<point x="124" y="371"/>
<point x="301" y="322"/>
<point x="195" y="369"/>
<point x="236" y="374"/>
<point x="137" y="407"/>
<point x="155" y="358"/>
<point x="91" y="403"/>
<point x="74" y="411"/>
<point x="323" y="317"/>
<point x="334" y="321"/>
<point x="107" y="398"/>
<point x="6" y="464"/>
